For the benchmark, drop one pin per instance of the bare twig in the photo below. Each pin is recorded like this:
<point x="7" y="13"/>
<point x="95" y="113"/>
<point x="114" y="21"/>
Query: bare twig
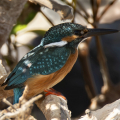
<point x="8" y="103"/>
<point x="52" y="106"/>
<point x="106" y="8"/>
<point x="97" y="8"/>
<point x="93" y="7"/>
<point x="103" y="65"/>
<point x="47" y="18"/>
<point x="83" y="57"/>
<point x="83" y="9"/>
<point x="73" y="4"/>
<point x="22" y="112"/>
<point x="108" y="112"/>
<point x="82" y="15"/>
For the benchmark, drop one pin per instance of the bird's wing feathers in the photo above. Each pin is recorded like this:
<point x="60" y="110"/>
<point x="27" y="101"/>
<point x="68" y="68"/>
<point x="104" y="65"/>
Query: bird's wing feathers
<point x="42" y="61"/>
<point x="20" y="64"/>
<point x="50" y="61"/>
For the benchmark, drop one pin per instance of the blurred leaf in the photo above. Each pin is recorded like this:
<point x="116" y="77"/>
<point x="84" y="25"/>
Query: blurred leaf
<point x="17" y="28"/>
<point x="29" y="46"/>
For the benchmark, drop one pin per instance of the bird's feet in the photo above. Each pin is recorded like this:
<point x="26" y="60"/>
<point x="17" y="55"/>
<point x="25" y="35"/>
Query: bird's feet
<point x="53" y="92"/>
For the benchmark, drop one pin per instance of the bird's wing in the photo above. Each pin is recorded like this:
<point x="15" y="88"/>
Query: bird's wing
<point x="21" y="63"/>
<point x="43" y="61"/>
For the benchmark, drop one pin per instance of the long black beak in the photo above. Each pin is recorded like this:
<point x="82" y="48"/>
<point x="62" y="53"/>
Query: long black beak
<point x="95" y="32"/>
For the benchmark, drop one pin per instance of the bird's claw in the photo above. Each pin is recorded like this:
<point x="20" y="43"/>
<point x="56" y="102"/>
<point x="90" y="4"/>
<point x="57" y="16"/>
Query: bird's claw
<point x="53" y="92"/>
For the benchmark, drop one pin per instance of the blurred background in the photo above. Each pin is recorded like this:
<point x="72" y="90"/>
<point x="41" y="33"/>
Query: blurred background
<point x="94" y="79"/>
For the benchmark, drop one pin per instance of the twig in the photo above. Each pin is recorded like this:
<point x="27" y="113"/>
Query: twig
<point x="106" y="8"/>
<point x="93" y="7"/>
<point x="83" y="58"/>
<point x="108" y="112"/>
<point x="103" y="65"/>
<point x="73" y="4"/>
<point x="82" y="15"/>
<point x="8" y="103"/>
<point x="97" y="8"/>
<point x="83" y="9"/>
<point x="47" y="18"/>
<point x="24" y="111"/>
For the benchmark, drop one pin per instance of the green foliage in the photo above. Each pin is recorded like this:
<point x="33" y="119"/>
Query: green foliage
<point x="17" y="28"/>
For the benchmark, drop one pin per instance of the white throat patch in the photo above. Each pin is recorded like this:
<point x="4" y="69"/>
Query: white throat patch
<point x="56" y="44"/>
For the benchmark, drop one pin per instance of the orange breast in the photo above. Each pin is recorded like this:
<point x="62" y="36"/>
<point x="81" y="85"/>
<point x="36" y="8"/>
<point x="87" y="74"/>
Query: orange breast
<point x="39" y="83"/>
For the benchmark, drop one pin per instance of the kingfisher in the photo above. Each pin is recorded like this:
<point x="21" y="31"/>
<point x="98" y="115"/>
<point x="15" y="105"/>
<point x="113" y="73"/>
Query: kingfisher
<point x="49" y="62"/>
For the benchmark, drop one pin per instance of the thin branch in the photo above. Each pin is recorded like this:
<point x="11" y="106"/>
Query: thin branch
<point x="93" y="7"/>
<point x="8" y="103"/>
<point x="97" y="8"/>
<point x="103" y="64"/>
<point x="23" y="112"/>
<point x="73" y="4"/>
<point x="77" y="11"/>
<point x="104" y="11"/>
<point x="83" y="9"/>
<point x="83" y="58"/>
<point x="47" y="18"/>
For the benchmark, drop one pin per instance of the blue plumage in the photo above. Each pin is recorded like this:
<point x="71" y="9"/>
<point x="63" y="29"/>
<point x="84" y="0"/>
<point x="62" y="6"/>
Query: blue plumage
<point x="17" y="94"/>
<point x="44" y="62"/>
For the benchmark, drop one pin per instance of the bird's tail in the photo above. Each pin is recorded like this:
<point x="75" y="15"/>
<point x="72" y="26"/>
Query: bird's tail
<point x="17" y="94"/>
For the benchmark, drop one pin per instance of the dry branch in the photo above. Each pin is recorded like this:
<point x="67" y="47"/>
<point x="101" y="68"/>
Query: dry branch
<point x="108" y="112"/>
<point x="103" y="64"/>
<point x="83" y="51"/>
<point x="54" y="107"/>
<point x="65" y="11"/>
<point x="106" y="8"/>
<point x="19" y="113"/>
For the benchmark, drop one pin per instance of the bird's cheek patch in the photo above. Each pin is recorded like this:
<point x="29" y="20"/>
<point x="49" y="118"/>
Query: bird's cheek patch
<point x="70" y="38"/>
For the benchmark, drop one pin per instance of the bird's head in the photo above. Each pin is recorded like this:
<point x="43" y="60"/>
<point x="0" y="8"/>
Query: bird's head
<point x="69" y="32"/>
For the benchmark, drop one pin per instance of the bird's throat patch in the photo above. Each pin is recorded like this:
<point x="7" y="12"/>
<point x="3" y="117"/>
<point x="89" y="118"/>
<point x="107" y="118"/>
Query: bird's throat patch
<point x="70" y="38"/>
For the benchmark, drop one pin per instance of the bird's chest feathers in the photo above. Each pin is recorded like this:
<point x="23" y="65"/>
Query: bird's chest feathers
<point x="39" y="83"/>
<point x="60" y="74"/>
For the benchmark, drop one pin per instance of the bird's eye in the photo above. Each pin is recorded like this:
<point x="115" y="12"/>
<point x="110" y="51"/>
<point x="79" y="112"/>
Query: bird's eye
<point x="80" y="32"/>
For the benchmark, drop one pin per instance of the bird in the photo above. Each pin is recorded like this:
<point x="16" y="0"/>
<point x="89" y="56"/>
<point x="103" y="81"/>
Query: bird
<point x="49" y="62"/>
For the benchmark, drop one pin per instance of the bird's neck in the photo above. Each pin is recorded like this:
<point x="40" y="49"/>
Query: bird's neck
<point x="74" y="44"/>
